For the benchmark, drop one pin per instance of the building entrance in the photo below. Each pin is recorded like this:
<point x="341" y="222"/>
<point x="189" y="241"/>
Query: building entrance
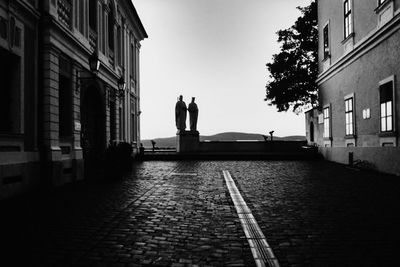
<point x="93" y="139"/>
<point x="311" y="132"/>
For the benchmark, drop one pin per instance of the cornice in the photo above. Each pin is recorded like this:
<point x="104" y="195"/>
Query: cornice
<point x="361" y="48"/>
<point x="32" y="10"/>
<point x="134" y="18"/>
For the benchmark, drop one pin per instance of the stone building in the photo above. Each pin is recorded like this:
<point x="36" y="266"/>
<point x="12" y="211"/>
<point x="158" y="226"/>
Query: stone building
<point x="359" y="58"/>
<point x="69" y="87"/>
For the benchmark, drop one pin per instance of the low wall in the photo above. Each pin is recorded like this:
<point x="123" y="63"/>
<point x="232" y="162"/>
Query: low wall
<point x="383" y="159"/>
<point x="19" y="173"/>
<point x="251" y="146"/>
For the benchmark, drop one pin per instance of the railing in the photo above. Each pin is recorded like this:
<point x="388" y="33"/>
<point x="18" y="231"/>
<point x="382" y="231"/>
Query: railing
<point x="64" y="11"/>
<point x="92" y="38"/>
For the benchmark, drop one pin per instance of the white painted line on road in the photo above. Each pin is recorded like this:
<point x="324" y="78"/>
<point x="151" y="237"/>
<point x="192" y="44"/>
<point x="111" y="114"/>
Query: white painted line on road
<point x="262" y="252"/>
<point x="184" y="174"/>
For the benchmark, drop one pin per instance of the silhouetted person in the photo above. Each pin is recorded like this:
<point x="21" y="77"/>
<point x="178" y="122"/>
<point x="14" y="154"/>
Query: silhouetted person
<point x="153" y="143"/>
<point x="180" y="114"/>
<point x="141" y="150"/>
<point x="193" y="115"/>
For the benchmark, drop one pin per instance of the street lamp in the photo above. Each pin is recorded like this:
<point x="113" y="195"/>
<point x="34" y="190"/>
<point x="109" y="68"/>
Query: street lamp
<point x="94" y="66"/>
<point x="121" y="87"/>
<point x="94" y="62"/>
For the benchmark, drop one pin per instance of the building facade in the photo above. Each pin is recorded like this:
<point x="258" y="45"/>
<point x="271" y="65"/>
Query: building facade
<point x="71" y="72"/>
<point x="359" y="58"/>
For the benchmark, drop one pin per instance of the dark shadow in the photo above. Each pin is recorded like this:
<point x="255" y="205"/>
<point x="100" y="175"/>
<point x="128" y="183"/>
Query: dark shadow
<point x="93" y="135"/>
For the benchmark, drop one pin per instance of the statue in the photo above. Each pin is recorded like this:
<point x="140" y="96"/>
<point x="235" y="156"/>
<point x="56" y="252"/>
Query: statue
<point x="180" y="114"/>
<point x="193" y="114"/>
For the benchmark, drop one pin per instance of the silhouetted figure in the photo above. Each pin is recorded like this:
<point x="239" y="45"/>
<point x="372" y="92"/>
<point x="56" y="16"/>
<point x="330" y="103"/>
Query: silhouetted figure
<point x="180" y="114"/>
<point x="141" y="150"/>
<point x="153" y="143"/>
<point x="193" y="115"/>
<point x="271" y="133"/>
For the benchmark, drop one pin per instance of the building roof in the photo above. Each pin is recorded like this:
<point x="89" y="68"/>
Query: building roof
<point x="140" y="26"/>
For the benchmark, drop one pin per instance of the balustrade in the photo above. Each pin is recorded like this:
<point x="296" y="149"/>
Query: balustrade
<point x="111" y="55"/>
<point x="64" y="11"/>
<point x="92" y="38"/>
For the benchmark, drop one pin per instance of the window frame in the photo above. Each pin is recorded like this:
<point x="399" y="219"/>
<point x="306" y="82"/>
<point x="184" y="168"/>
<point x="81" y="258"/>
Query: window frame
<point x="111" y="19"/>
<point x="326" y="49"/>
<point x="382" y="103"/>
<point x="347" y="18"/>
<point x="17" y="82"/>
<point x="93" y="15"/>
<point x="132" y="60"/>
<point x="327" y="121"/>
<point x="349" y="115"/>
<point x="119" y="45"/>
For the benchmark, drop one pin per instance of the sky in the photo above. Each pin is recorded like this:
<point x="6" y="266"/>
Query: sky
<point x="216" y="51"/>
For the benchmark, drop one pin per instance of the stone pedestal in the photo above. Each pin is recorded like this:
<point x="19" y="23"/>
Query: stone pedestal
<point x="187" y="141"/>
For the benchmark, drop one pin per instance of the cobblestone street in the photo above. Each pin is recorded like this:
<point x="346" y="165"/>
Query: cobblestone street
<point x="312" y="213"/>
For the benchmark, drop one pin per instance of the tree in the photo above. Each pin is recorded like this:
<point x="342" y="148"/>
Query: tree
<point x="294" y="70"/>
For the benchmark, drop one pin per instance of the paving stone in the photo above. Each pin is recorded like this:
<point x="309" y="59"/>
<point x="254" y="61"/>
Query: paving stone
<point x="312" y="214"/>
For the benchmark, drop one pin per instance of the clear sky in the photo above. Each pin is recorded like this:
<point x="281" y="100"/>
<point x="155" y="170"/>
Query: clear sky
<point x="215" y="50"/>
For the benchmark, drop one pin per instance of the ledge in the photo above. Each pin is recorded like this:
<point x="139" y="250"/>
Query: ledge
<point x="388" y="134"/>
<point x="350" y="36"/>
<point x="360" y="48"/>
<point x="382" y="6"/>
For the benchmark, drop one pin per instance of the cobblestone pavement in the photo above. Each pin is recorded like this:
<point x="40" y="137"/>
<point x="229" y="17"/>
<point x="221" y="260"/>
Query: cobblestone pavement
<point x="323" y="214"/>
<point x="181" y="214"/>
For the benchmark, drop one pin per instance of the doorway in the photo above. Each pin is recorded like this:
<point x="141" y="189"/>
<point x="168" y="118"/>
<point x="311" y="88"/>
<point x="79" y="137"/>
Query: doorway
<point x="93" y="134"/>
<point x="311" y="131"/>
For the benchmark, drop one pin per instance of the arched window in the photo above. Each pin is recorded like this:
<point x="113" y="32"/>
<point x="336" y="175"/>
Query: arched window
<point x="111" y="19"/>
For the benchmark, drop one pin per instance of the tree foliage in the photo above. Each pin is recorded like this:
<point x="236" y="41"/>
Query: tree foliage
<point x="294" y="69"/>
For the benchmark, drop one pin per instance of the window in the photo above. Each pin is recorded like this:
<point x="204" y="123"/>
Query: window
<point x="10" y="92"/>
<point x="349" y="116"/>
<point x="3" y="28"/>
<point x="81" y="24"/>
<point x="65" y="98"/>
<point x="326" y="123"/>
<point x="93" y="15"/>
<point x="326" y="41"/>
<point x="366" y="113"/>
<point x="132" y="62"/>
<point x="347" y="18"/>
<point x="386" y="101"/>
<point x="122" y="42"/>
<point x="101" y="29"/>
<point x="119" y="46"/>
<point x="111" y="19"/>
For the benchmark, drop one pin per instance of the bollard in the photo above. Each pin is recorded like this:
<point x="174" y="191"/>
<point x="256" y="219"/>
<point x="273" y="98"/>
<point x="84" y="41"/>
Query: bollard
<point x="351" y="159"/>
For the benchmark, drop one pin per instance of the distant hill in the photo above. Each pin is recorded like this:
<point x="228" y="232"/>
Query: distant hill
<point x="170" y="142"/>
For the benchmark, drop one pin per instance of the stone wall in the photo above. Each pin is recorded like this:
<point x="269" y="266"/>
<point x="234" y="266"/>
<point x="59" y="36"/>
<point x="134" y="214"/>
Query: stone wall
<point x="251" y="146"/>
<point x="383" y="159"/>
